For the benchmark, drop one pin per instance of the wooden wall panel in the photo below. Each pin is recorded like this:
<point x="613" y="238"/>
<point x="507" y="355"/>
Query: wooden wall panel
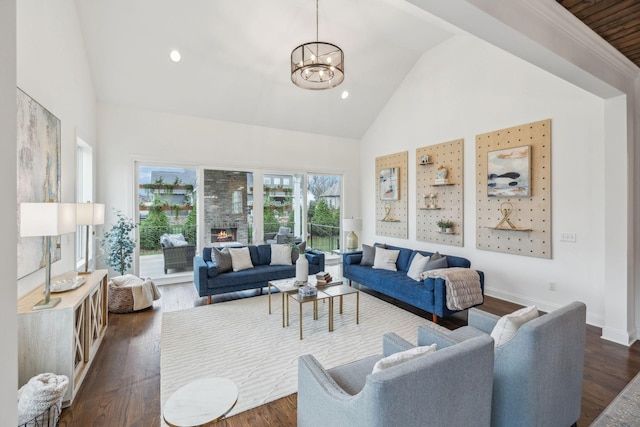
<point x="449" y="198"/>
<point x="531" y="215"/>
<point x="392" y="217"/>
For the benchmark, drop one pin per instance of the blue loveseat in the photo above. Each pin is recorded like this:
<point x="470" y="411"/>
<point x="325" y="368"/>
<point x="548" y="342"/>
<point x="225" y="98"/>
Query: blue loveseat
<point x="208" y="281"/>
<point x="428" y="295"/>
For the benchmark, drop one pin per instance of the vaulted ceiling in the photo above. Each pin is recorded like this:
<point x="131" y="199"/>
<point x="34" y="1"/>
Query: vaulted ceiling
<point x="236" y="55"/>
<point x="616" y="21"/>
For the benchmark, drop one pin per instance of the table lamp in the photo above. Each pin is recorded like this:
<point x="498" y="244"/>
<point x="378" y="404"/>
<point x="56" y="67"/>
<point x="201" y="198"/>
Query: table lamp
<point x="88" y="214"/>
<point x="350" y="225"/>
<point x="46" y="220"/>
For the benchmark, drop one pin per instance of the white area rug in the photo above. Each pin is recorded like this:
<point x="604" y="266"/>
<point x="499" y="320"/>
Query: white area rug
<point x="239" y="340"/>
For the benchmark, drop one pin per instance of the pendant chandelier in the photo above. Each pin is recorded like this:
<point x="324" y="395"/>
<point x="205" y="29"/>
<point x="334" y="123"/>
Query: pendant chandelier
<point x="317" y="65"/>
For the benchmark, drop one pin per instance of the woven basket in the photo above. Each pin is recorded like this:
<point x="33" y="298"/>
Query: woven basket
<point x="120" y="299"/>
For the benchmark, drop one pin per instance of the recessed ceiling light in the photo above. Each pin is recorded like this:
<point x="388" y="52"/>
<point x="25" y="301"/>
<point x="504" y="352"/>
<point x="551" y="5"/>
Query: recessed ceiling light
<point x="345" y="94"/>
<point x="175" y="56"/>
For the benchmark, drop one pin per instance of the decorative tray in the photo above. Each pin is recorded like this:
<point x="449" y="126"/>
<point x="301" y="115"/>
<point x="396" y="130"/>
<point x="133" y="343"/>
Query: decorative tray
<point x="67" y="284"/>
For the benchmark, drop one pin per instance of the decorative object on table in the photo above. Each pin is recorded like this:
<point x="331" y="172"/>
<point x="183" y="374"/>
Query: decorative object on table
<point x="307" y="290"/>
<point x="323" y="278"/>
<point x="351" y="225"/>
<point x="47" y="219"/>
<point x="88" y="214"/>
<point x="302" y="265"/>
<point x="424" y="160"/>
<point x="509" y="172"/>
<point x="506" y="209"/>
<point x="317" y="65"/>
<point x="445" y="225"/>
<point x="441" y="176"/>
<point x="389" y="183"/>
<point x="65" y="285"/>
<point x="40" y="400"/>
<point x="130" y="293"/>
<point x="118" y="244"/>
<point x="38" y="174"/>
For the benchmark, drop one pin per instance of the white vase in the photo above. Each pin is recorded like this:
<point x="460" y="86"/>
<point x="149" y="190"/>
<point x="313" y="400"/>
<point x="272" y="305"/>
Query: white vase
<point x="302" y="269"/>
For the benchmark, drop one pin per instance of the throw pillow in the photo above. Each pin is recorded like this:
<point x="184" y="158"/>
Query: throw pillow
<point x="436" y="256"/>
<point x="240" y="259"/>
<point x="508" y="325"/>
<point x="280" y="255"/>
<point x="417" y="266"/>
<point x="438" y="263"/>
<point x="369" y="253"/>
<point x="302" y="247"/>
<point x="385" y="259"/>
<point x="222" y="259"/>
<point x="403" y="356"/>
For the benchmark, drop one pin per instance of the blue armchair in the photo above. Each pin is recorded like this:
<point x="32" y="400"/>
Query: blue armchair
<point x="450" y="387"/>
<point x="538" y="373"/>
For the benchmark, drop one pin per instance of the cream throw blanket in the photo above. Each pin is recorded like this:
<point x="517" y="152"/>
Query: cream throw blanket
<point x="462" y="284"/>
<point x="38" y="395"/>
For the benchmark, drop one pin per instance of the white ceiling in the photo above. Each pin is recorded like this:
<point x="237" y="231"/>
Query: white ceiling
<point x="235" y="57"/>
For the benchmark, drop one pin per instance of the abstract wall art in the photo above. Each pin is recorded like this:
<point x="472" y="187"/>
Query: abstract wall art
<point x="39" y="139"/>
<point x="509" y="172"/>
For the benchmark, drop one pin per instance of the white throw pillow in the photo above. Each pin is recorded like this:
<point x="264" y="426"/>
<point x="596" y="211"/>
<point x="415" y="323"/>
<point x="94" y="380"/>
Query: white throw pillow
<point x="240" y="258"/>
<point x="403" y="356"/>
<point x="508" y="325"/>
<point x="385" y="259"/>
<point x="417" y="266"/>
<point x="280" y="255"/>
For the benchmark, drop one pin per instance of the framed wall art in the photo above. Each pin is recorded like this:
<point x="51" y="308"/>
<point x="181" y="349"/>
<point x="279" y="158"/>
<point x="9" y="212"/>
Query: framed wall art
<point x="389" y="184"/>
<point x="509" y="172"/>
<point x="39" y="139"/>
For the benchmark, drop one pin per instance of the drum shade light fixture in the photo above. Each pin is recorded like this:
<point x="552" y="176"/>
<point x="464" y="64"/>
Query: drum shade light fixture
<point x="317" y="65"/>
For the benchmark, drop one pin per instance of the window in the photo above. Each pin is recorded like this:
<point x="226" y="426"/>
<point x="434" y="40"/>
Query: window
<point x="84" y="193"/>
<point x="267" y="181"/>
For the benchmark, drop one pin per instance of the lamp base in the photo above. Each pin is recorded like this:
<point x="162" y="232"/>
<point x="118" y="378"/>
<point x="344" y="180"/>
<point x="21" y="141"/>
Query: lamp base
<point x="352" y="241"/>
<point x="84" y="272"/>
<point x="42" y="305"/>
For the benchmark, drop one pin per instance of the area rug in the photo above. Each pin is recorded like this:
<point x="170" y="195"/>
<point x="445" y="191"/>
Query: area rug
<point x="239" y="340"/>
<point x="624" y="410"/>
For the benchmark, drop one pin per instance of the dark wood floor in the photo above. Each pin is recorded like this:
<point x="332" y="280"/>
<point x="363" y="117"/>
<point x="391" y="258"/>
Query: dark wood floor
<point x="122" y="387"/>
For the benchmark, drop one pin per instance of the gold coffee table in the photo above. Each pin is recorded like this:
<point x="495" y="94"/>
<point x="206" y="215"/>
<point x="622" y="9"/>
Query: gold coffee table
<point x="288" y="287"/>
<point x="340" y="291"/>
<point x="321" y="295"/>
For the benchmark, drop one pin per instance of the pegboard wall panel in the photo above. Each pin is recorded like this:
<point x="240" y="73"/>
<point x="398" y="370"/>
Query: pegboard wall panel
<point x="448" y="198"/>
<point x="392" y="214"/>
<point x="530" y="214"/>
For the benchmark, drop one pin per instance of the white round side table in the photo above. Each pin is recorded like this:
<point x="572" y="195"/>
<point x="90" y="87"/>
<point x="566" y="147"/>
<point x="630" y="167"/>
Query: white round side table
<point x="200" y="402"/>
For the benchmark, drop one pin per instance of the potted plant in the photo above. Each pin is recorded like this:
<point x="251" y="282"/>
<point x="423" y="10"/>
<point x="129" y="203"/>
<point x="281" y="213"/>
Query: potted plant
<point x="445" y="225"/>
<point x="118" y="244"/>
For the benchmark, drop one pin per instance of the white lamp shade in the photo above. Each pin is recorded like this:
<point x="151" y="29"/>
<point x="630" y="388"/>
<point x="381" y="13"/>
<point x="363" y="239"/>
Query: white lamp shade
<point x="47" y="219"/>
<point x="89" y="213"/>
<point x="351" y="224"/>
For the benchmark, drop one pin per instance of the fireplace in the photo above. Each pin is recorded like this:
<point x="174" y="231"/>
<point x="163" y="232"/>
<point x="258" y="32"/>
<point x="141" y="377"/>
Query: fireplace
<point x="224" y="234"/>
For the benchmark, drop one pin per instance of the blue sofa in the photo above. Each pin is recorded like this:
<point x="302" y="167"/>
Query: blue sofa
<point x="208" y="281"/>
<point x="428" y="295"/>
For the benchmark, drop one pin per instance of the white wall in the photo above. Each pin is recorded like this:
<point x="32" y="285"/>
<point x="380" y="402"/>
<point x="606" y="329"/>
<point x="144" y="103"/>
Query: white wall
<point x="128" y="135"/>
<point x="466" y="87"/>
<point x="8" y="260"/>
<point x="53" y="70"/>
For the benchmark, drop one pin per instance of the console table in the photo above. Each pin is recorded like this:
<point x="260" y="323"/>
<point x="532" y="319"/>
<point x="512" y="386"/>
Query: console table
<point x="64" y="339"/>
